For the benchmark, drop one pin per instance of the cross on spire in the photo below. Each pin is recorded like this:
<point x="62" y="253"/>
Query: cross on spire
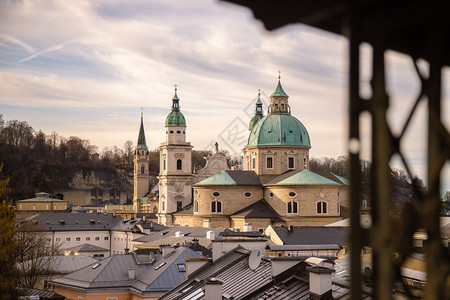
<point x="279" y="74"/>
<point x="176" y="85"/>
<point x="142" y="111"/>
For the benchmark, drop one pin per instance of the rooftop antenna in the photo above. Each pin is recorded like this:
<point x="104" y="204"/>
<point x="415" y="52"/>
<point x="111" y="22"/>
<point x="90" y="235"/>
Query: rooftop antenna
<point x="255" y="259"/>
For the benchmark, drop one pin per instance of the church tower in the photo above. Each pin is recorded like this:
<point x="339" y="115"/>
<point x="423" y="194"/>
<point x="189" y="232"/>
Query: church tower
<point x="141" y="168"/>
<point x="278" y="142"/>
<point x="175" y="175"/>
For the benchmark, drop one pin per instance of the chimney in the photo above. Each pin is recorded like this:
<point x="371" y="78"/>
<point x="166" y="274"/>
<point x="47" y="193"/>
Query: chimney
<point x="210" y="235"/>
<point x="178" y="234"/>
<point x="247" y="227"/>
<point x="193" y="264"/>
<point x="213" y="289"/>
<point x="131" y="273"/>
<point x="167" y="250"/>
<point x="320" y="279"/>
<point x="291" y="228"/>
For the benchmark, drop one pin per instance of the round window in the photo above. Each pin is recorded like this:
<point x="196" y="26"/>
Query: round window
<point x="248" y="194"/>
<point x="178" y="132"/>
<point x="171" y="131"/>
<point x="216" y="194"/>
<point x="271" y="195"/>
<point x="292" y="194"/>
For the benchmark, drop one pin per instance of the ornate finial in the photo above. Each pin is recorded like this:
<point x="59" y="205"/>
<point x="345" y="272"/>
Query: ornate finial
<point x="176" y="85"/>
<point x="259" y="92"/>
<point x="142" y="111"/>
<point x="216" y="144"/>
<point x="279" y="74"/>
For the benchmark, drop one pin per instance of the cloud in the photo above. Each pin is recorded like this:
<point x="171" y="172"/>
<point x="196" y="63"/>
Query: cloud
<point x="49" y="49"/>
<point x="12" y="40"/>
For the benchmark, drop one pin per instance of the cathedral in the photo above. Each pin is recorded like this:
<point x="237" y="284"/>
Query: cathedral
<point x="275" y="186"/>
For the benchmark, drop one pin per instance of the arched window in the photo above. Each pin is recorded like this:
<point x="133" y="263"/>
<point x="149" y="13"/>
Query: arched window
<point x="282" y="106"/>
<point x="155" y="210"/>
<point x="321" y="207"/>
<point x="276" y="106"/>
<point x="196" y="206"/>
<point x="142" y="169"/>
<point x="179" y="164"/>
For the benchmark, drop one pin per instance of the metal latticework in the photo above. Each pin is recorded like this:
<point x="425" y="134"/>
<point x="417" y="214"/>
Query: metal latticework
<point x="419" y="29"/>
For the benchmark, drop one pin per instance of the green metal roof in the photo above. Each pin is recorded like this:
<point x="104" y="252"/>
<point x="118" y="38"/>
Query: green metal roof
<point x="175" y="117"/>
<point x="279" y="92"/>
<point x="306" y="177"/>
<point x="279" y="129"/>
<point x="141" y="138"/>
<point x="221" y="178"/>
<point x="342" y="179"/>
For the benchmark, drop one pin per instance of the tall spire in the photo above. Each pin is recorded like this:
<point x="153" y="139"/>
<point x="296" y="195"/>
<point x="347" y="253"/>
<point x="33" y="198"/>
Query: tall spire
<point x="141" y="138"/>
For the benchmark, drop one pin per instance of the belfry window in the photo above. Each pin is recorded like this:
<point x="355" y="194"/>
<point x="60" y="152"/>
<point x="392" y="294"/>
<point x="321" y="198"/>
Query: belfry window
<point x="253" y="163"/>
<point x="142" y="169"/>
<point x="179" y="164"/>
<point x="304" y="162"/>
<point x="276" y="106"/>
<point x="282" y="106"/>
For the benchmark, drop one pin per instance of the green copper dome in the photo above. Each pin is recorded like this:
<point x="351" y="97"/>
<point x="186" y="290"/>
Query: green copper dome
<point x="175" y="118"/>
<point x="279" y="129"/>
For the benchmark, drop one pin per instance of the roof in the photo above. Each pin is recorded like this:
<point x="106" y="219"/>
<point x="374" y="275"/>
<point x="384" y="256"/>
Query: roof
<point x="86" y="248"/>
<point x="81" y="221"/>
<point x="43" y="295"/>
<point x="199" y="232"/>
<point x="303" y="247"/>
<point x="233" y="270"/>
<point x="174" y="240"/>
<point x="160" y="274"/>
<point x="231" y="177"/>
<point x="141" y="138"/>
<point x="312" y="235"/>
<point x="175" y="117"/>
<point x="279" y="129"/>
<point x="153" y="226"/>
<point x="64" y="264"/>
<point x="279" y="92"/>
<point x="41" y="200"/>
<point x="302" y="177"/>
<point x="260" y="209"/>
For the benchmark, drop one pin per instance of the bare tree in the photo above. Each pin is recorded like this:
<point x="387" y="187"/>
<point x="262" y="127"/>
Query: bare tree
<point x="128" y="150"/>
<point x="34" y="255"/>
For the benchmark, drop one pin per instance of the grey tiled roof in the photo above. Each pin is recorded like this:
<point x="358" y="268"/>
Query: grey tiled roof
<point x="80" y="221"/>
<point x="233" y="270"/>
<point x="64" y="264"/>
<point x="199" y="232"/>
<point x="312" y="235"/>
<point x="112" y="272"/>
<point x="86" y="248"/>
<point x="153" y="226"/>
<point x="260" y="209"/>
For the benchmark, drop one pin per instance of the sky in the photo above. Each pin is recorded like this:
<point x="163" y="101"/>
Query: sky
<point x="86" y="68"/>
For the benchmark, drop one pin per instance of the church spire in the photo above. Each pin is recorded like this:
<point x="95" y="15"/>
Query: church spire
<point x="175" y="101"/>
<point x="258" y="112"/>
<point x="279" y="100"/>
<point x="141" y="143"/>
